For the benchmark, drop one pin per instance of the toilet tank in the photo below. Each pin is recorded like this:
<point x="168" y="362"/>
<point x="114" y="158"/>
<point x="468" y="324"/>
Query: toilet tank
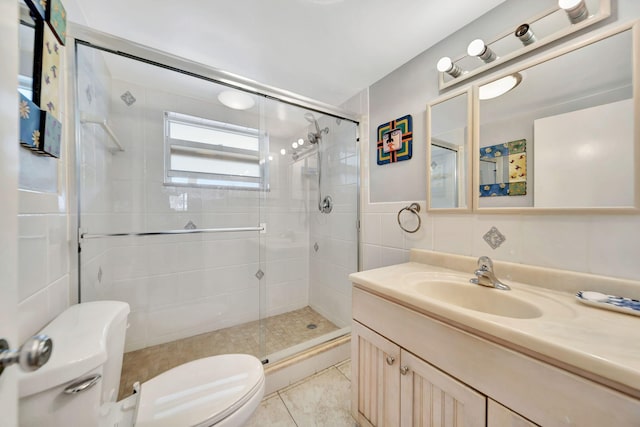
<point x="88" y="339"/>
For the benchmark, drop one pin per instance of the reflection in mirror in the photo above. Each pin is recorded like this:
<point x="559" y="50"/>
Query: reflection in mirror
<point x="579" y="132"/>
<point x="448" y="156"/>
<point x="551" y="23"/>
<point x="503" y="169"/>
<point x="26" y="43"/>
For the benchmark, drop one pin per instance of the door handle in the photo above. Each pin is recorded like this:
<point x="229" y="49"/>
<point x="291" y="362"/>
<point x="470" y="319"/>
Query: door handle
<point x="32" y="355"/>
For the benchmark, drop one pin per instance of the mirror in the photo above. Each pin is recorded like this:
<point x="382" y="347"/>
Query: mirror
<point x="525" y="35"/>
<point x="575" y="119"/>
<point x="27" y="52"/>
<point x="448" y="157"/>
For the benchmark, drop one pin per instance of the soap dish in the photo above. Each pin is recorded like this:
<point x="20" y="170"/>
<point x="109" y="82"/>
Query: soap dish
<point x="610" y="302"/>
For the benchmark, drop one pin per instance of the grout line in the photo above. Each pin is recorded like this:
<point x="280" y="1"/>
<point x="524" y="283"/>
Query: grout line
<point x="287" y="408"/>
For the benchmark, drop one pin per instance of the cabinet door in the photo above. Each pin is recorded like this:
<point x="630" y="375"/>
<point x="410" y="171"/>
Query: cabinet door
<point x="499" y="416"/>
<point x="375" y="378"/>
<point x="432" y="398"/>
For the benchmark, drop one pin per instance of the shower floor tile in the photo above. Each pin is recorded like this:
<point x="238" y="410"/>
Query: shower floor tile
<point x="281" y="332"/>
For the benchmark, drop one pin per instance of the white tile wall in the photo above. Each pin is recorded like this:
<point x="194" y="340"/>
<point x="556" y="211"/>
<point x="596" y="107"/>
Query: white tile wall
<point x="45" y="247"/>
<point x="335" y="233"/>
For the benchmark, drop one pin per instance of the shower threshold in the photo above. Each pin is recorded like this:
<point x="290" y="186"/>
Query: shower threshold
<point x="285" y="334"/>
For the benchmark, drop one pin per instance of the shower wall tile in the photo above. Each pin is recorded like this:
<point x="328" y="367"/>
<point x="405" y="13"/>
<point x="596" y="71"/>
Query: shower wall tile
<point x="287" y="296"/>
<point x="132" y="291"/>
<point x="286" y="271"/>
<point x="230" y="278"/>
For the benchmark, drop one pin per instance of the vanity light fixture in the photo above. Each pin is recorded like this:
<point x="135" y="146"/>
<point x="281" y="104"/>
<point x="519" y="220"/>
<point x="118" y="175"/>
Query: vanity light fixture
<point x="481" y="50"/>
<point x="524" y="33"/>
<point x="446" y="65"/>
<point x="236" y="100"/>
<point x="576" y="10"/>
<point x="499" y="87"/>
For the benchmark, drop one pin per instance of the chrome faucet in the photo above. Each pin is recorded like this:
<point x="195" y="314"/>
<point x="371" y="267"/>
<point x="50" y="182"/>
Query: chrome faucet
<point x="485" y="275"/>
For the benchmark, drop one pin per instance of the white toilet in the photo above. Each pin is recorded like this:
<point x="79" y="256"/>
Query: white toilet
<point x="79" y="384"/>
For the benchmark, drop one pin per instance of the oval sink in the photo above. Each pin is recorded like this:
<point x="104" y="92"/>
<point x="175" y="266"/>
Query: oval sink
<point x="476" y="297"/>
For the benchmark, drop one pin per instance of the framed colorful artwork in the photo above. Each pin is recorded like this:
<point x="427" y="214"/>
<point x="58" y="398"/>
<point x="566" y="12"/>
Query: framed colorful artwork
<point x="29" y="123"/>
<point x="503" y="169"/>
<point x="49" y="93"/>
<point x="395" y="140"/>
<point x="57" y="19"/>
<point x="50" y="135"/>
<point x="38" y="8"/>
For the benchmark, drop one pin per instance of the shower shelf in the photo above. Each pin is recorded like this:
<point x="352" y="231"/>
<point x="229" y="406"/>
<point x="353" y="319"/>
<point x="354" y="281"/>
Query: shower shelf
<point x="105" y="125"/>
<point x="172" y="232"/>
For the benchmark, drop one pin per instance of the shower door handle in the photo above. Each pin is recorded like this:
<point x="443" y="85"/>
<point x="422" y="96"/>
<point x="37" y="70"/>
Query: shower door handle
<point x="32" y="355"/>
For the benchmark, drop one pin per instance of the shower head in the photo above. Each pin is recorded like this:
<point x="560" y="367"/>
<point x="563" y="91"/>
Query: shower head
<point x="317" y="136"/>
<point x="311" y="119"/>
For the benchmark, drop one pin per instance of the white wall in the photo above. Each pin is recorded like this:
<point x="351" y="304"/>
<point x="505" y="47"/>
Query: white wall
<point x="599" y="244"/>
<point x="46" y="260"/>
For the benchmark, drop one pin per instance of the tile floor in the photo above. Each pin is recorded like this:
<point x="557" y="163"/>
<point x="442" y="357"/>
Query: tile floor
<point x="323" y="399"/>
<point x="281" y="332"/>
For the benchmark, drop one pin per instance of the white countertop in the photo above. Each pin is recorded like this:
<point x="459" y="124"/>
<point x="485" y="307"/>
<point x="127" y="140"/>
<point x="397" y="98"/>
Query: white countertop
<point x="597" y="343"/>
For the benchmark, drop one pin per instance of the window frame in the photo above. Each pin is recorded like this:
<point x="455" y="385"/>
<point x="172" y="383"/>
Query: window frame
<point x="216" y="180"/>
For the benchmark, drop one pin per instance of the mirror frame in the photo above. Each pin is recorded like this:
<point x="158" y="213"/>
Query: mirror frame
<point x="468" y="164"/>
<point x="634" y="27"/>
<point x="603" y="12"/>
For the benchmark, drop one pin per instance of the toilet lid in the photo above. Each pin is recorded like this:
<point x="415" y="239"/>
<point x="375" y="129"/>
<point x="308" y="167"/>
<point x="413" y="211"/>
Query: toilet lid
<point x="199" y="393"/>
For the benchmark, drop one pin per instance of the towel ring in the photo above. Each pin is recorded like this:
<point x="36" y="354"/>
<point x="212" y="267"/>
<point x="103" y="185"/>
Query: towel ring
<point x="414" y="208"/>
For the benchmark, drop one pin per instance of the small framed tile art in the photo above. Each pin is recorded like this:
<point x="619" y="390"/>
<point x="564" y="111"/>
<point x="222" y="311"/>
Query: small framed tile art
<point x="57" y="19"/>
<point x="395" y="140"/>
<point x="49" y="93"/>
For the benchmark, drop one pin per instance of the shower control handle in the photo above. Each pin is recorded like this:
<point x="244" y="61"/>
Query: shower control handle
<point x="390" y="360"/>
<point x="32" y="355"/>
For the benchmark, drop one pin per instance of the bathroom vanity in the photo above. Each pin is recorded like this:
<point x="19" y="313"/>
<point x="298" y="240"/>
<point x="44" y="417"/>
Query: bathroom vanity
<point x="429" y="348"/>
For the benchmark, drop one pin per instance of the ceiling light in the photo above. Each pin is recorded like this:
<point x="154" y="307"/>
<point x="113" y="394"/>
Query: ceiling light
<point x="524" y="33"/>
<point x="481" y="50"/>
<point x="576" y="10"/>
<point x="445" y="65"/>
<point x="499" y="87"/>
<point x="236" y="100"/>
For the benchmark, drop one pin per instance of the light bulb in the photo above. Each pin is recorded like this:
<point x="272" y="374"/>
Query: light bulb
<point x="283" y="151"/>
<point x="481" y="50"/>
<point x="446" y="65"/>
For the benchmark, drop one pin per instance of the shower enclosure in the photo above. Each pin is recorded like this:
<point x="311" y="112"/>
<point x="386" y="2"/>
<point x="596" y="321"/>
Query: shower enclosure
<point x="227" y="228"/>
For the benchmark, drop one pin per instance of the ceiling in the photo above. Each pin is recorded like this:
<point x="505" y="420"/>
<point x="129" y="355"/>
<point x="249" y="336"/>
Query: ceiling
<point x="327" y="50"/>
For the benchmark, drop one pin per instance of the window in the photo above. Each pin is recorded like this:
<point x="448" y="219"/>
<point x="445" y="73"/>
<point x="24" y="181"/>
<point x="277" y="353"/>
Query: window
<point x="202" y="152"/>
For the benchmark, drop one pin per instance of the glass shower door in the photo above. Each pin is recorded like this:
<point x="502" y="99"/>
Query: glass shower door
<point x="171" y="186"/>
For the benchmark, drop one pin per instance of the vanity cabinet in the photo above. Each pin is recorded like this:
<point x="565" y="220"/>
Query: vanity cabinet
<point x="499" y="416"/>
<point x="396" y="388"/>
<point x="412" y="368"/>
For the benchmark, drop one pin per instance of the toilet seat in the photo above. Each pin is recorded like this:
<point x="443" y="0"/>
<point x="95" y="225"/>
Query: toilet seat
<point x="201" y="393"/>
